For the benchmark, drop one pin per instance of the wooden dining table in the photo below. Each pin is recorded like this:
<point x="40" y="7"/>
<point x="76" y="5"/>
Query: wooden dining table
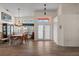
<point x="19" y="36"/>
<point x="15" y="38"/>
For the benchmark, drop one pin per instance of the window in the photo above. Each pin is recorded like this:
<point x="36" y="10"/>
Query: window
<point x="46" y="21"/>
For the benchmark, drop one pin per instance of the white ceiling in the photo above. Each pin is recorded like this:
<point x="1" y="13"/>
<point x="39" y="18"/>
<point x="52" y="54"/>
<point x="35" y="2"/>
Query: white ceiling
<point x="27" y="9"/>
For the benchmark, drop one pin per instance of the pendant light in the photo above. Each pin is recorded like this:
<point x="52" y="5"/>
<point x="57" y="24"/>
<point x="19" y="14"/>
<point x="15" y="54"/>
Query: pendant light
<point x="45" y="13"/>
<point x="18" y="21"/>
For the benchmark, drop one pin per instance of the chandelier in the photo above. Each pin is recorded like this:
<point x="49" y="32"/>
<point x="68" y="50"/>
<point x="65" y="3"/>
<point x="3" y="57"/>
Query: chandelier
<point x="18" y="21"/>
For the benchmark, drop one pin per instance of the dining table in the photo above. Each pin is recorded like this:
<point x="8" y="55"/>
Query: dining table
<point x="16" y="38"/>
<point x="19" y="36"/>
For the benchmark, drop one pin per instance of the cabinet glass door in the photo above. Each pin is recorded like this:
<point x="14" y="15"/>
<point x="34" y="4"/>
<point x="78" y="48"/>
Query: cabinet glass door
<point x="8" y="29"/>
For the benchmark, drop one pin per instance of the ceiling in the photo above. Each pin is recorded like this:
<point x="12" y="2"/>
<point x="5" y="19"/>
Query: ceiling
<point x="27" y="9"/>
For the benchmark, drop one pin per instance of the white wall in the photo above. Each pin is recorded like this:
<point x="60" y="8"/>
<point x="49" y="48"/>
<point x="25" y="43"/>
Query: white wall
<point x="55" y="30"/>
<point x="68" y="8"/>
<point x="40" y="13"/>
<point x="68" y="19"/>
<point x="58" y="35"/>
<point x="70" y="27"/>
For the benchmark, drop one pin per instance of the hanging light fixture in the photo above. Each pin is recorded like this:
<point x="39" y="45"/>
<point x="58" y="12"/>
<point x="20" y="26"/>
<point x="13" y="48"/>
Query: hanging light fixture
<point x="18" y="21"/>
<point x="45" y="9"/>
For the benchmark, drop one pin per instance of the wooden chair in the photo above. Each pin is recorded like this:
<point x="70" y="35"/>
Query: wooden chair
<point x="32" y="37"/>
<point x="24" y="37"/>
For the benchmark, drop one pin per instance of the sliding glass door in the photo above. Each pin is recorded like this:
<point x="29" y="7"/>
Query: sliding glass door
<point x="43" y="32"/>
<point x="46" y="32"/>
<point x="40" y="32"/>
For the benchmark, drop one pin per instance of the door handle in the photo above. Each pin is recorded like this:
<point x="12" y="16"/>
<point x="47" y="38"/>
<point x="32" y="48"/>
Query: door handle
<point x="60" y="27"/>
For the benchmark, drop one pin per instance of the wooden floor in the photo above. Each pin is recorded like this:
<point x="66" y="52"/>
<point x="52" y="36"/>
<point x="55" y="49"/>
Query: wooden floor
<point x="37" y="48"/>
